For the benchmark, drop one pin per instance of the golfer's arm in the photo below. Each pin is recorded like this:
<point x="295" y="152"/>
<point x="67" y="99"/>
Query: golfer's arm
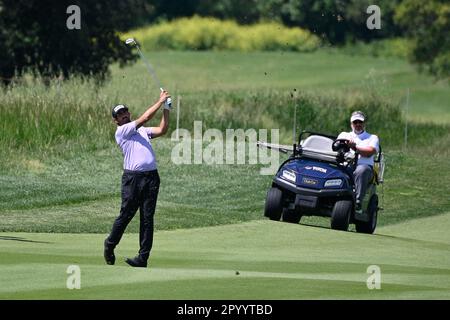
<point x="163" y="125"/>
<point x="147" y="115"/>
<point x="366" y="151"/>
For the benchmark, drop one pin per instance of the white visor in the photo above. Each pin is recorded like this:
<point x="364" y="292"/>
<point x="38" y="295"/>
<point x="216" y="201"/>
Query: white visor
<point x="357" y="117"/>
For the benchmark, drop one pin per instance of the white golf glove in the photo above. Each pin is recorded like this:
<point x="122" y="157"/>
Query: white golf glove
<point x="168" y="104"/>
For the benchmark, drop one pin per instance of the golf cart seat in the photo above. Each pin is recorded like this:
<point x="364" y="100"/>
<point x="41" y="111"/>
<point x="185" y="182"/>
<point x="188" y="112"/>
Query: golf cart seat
<point x="318" y="147"/>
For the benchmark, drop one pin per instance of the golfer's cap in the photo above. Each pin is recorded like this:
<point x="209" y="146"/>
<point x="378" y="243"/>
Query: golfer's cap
<point x="358" y="115"/>
<point x="117" y="108"/>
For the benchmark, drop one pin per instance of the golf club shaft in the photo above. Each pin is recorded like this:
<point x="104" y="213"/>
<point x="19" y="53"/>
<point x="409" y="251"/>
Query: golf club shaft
<point x="153" y="73"/>
<point x="150" y="68"/>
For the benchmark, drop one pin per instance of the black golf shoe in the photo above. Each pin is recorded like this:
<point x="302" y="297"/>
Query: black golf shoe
<point x="108" y="253"/>
<point x="137" y="262"/>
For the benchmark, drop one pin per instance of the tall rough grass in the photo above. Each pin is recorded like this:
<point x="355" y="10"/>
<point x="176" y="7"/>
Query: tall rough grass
<point x="76" y="115"/>
<point x="212" y="34"/>
<point x="36" y="116"/>
<point x="58" y="148"/>
<point x="320" y="112"/>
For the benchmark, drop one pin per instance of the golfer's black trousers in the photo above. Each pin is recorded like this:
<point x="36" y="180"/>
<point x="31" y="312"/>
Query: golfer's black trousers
<point x="139" y="190"/>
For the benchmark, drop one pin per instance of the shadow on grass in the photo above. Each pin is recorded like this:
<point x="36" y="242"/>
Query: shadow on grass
<point x="314" y="226"/>
<point x="381" y="235"/>
<point x="20" y="239"/>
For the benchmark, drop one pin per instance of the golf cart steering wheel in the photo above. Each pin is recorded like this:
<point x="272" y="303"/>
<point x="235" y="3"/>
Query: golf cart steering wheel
<point x="340" y="145"/>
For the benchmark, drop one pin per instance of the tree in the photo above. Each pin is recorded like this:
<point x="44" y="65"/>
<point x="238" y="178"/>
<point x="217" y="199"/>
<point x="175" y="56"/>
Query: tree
<point x="244" y="12"/>
<point x="427" y="23"/>
<point x="34" y="36"/>
<point x="338" y="21"/>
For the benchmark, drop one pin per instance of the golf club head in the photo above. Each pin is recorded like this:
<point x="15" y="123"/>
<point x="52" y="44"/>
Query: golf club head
<point x="130" y="42"/>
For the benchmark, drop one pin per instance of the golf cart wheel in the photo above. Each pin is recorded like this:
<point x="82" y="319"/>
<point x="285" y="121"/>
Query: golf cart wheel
<point x="291" y="216"/>
<point x="372" y="211"/>
<point x="274" y="206"/>
<point x="340" y="217"/>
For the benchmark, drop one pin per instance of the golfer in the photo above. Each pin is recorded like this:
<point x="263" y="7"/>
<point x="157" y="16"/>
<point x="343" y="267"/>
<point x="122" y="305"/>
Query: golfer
<point x="140" y="179"/>
<point x="367" y="145"/>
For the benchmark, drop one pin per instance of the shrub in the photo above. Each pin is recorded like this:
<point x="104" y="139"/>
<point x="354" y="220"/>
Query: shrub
<point x="212" y="34"/>
<point x="395" y="47"/>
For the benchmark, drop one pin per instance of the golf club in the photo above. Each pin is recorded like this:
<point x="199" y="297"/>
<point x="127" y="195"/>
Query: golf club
<point x="151" y="70"/>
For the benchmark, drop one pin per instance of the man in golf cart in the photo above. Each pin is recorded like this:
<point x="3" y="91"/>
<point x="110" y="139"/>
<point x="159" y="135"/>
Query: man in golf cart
<point x="367" y="145"/>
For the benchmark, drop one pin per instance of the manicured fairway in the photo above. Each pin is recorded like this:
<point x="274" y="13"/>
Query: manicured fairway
<point x="251" y="260"/>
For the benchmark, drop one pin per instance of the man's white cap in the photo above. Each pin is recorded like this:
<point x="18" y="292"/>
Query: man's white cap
<point x="358" y="115"/>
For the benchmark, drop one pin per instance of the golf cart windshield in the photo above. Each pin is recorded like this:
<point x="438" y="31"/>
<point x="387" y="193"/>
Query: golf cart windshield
<point x="318" y="143"/>
<point x="319" y="147"/>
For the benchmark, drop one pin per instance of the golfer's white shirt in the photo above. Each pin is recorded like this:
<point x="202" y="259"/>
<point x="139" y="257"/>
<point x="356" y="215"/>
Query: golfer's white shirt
<point x="364" y="139"/>
<point x="138" y="154"/>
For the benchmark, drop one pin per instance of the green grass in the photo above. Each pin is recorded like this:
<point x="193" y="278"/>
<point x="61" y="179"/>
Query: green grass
<point x="83" y="194"/>
<point x="60" y="168"/>
<point x="274" y="261"/>
<point x="321" y="71"/>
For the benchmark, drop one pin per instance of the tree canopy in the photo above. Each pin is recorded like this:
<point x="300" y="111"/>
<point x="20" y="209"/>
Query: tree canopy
<point x="428" y="24"/>
<point x="337" y="21"/>
<point x="34" y="36"/>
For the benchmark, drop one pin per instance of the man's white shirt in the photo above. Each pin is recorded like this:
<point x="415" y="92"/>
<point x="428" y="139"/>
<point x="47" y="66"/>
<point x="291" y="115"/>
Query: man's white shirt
<point x="364" y="139"/>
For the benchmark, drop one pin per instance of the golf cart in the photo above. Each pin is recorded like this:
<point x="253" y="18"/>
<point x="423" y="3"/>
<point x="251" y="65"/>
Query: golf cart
<point x="317" y="180"/>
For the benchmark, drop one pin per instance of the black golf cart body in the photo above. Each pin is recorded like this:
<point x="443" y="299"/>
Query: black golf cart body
<point x="317" y="180"/>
